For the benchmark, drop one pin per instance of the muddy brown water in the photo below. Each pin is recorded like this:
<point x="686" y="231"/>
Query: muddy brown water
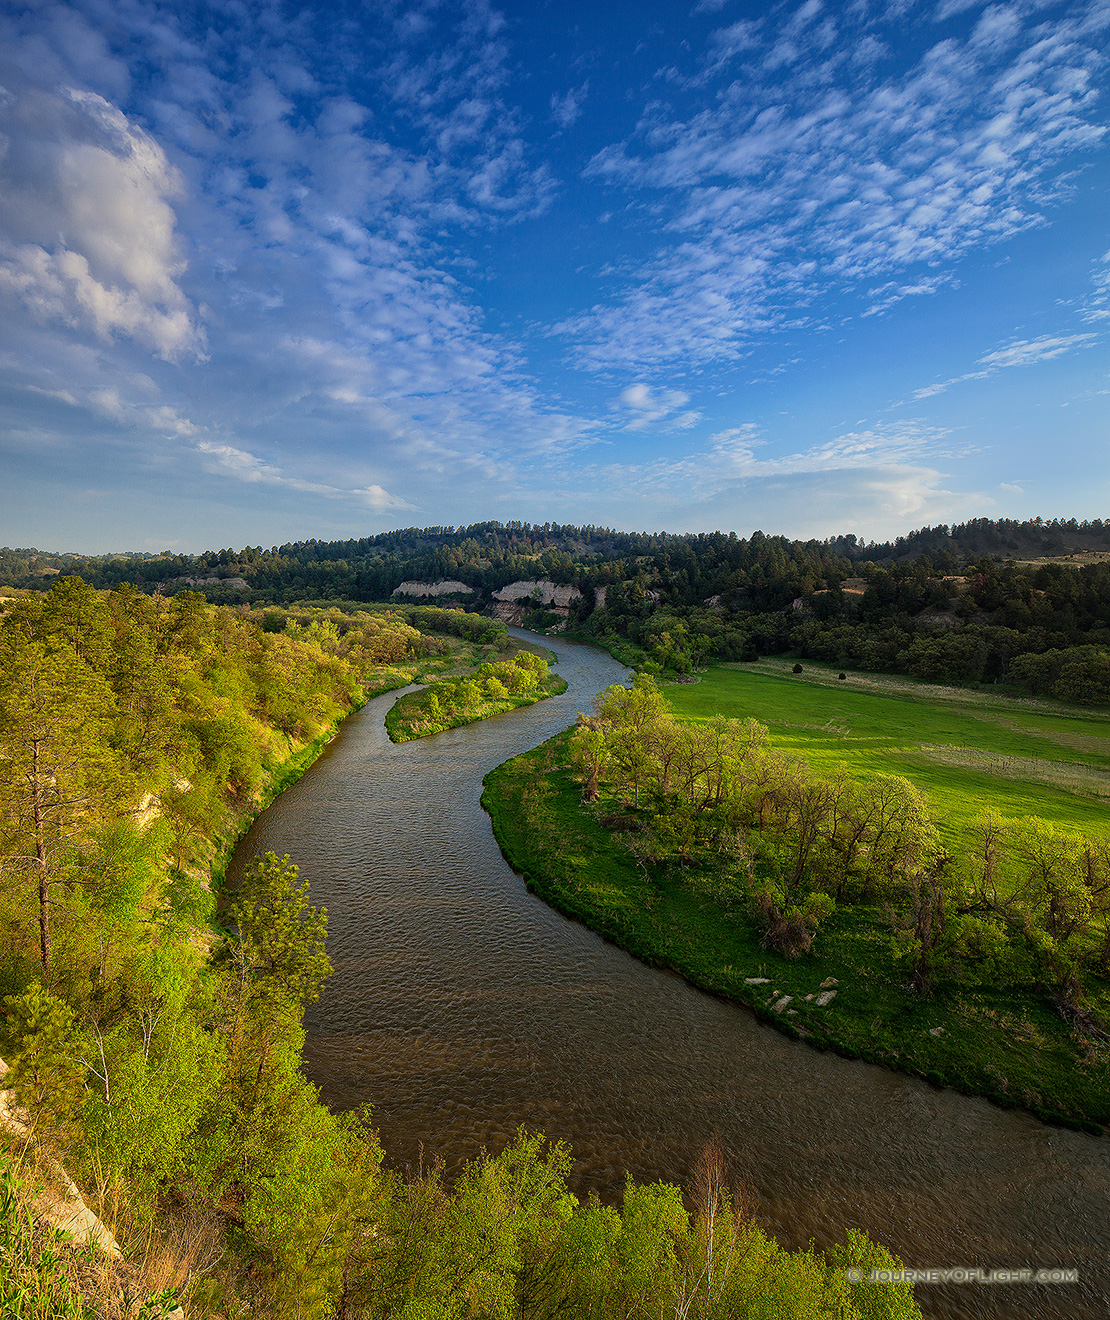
<point x="461" y="1006"/>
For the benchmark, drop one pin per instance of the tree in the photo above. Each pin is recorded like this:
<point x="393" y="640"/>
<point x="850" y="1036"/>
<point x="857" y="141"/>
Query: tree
<point x="588" y="754"/>
<point x="928" y="930"/>
<point x="57" y="774"/>
<point x="46" y="1076"/>
<point x="280" y="948"/>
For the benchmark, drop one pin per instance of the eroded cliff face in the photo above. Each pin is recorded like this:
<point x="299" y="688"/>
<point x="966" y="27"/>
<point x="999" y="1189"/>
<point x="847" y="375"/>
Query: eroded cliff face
<point x="541" y="591"/>
<point x="511" y="603"/>
<point x="445" y="587"/>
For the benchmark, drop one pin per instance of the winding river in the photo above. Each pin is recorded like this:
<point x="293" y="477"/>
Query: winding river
<point x="461" y="1006"/>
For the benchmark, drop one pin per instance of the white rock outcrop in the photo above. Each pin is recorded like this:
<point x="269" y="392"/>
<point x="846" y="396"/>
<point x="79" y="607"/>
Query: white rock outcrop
<point x="232" y="583"/>
<point x="445" y="587"/>
<point x="542" y="590"/>
<point x="62" y="1206"/>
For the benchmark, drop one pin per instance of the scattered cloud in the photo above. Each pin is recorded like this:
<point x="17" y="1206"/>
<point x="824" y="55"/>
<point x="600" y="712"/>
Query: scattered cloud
<point x="807" y="175"/>
<point x="732" y="456"/>
<point x="886" y="475"/>
<point x="566" y="110"/>
<point x="1022" y="352"/>
<point x="263" y="264"/>
<point x="1017" y="353"/>
<point x="1096" y="306"/>
<point x="648" y="406"/>
<point x="886" y="296"/>
<point x="950" y="8"/>
<point x="228" y="460"/>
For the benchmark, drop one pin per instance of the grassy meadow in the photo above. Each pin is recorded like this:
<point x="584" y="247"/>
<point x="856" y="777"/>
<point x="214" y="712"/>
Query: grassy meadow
<point x="970" y="751"/>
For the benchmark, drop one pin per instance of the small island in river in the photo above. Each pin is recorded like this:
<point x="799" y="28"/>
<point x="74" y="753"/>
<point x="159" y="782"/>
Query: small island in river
<point x="492" y="689"/>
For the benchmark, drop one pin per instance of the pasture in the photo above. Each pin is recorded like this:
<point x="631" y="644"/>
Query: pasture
<point x="969" y="751"/>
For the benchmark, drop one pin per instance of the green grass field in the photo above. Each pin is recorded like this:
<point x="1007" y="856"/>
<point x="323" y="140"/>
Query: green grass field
<point x="970" y="751"/>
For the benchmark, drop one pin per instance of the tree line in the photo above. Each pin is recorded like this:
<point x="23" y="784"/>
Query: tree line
<point x="944" y="604"/>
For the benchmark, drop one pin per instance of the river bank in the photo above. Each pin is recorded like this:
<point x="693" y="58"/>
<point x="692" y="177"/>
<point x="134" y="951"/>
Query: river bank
<point x="845" y="996"/>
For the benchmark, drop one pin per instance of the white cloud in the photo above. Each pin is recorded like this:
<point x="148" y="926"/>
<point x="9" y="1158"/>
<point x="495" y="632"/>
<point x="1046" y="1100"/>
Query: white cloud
<point x="877" y="479"/>
<point x="648" y="406"/>
<point x="1022" y="352"/>
<point x="789" y="188"/>
<point x="732" y="456"/>
<point x="228" y="460"/>
<point x="1096" y="307"/>
<point x="888" y="295"/>
<point x="566" y="110"/>
<point x="344" y="340"/>
<point x="1017" y="353"/>
<point x="454" y="86"/>
<point x="86" y="222"/>
<point x="950" y="8"/>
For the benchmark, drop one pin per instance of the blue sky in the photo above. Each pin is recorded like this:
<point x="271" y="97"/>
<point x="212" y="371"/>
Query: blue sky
<point x="270" y="271"/>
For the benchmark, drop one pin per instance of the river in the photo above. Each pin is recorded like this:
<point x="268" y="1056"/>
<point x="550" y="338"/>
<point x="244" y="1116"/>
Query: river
<point x="461" y="1007"/>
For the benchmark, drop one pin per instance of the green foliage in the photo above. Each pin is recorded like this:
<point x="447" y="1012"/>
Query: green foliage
<point x="154" y="1075"/>
<point x="495" y="687"/>
<point x="46" y="1076"/>
<point x="35" y="1281"/>
<point x="176" y="1080"/>
<point x="280" y="944"/>
<point x="510" y="1241"/>
<point x="962" y="943"/>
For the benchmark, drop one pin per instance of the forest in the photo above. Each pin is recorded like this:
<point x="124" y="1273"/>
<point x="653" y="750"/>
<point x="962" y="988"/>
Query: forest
<point x="152" y="1022"/>
<point x="1023" y="605"/>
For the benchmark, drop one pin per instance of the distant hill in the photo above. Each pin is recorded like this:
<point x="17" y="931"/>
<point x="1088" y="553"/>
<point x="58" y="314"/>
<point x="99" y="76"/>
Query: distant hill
<point x="1002" y="538"/>
<point x="1025" y="603"/>
<point x="488" y="556"/>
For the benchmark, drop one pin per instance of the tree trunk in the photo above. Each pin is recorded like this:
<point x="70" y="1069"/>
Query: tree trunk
<point x="40" y="853"/>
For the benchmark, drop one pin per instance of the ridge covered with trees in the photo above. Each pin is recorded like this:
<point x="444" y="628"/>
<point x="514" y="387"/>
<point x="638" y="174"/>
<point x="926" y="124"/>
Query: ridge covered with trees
<point x="979" y="602"/>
